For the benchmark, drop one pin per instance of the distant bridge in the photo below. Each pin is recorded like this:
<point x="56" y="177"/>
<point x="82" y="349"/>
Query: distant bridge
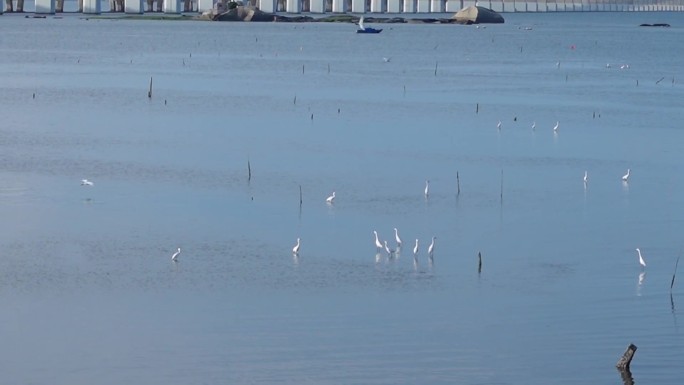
<point x="359" y="6"/>
<point x="441" y="6"/>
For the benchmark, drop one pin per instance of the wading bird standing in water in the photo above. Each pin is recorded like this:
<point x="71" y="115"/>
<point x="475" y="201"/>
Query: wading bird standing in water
<point x="641" y="259"/>
<point x="175" y="255"/>
<point x="295" y="249"/>
<point x="378" y="245"/>
<point x="431" y="248"/>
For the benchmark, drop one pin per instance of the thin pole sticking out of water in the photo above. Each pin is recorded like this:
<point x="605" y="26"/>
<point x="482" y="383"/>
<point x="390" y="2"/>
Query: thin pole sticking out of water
<point x="458" y="185"/>
<point x="477" y="108"/>
<point x="674" y="274"/>
<point x="436" y="63"/>
<point x="501" y="186"/>
<point x="249" y="171"/>
<point x="149" y="93"/>
<point x="479" y="265"/>
<point x="302" y="69"/>
<point x="294" y="101"/>
<point x="660" y="80"/>
<point x="404" y="89"/>
<point x="328" y="67"/>
<point x="300" y="196"/>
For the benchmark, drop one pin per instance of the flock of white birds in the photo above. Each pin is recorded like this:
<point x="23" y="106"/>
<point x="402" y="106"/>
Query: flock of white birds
<point x="380" y="246"/>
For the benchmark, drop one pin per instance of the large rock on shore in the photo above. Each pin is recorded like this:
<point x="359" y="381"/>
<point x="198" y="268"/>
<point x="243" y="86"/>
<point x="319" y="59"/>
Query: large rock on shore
<point x="222" y="11"/>
<point x="477" y="15"/>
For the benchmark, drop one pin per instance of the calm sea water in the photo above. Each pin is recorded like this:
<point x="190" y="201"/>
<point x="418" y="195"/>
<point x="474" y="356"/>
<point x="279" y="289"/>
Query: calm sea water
<point x="90" y="295"/>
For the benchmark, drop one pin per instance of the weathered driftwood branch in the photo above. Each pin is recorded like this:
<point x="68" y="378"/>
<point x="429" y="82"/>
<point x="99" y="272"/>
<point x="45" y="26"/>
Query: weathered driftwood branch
<point x="626" y="359"/>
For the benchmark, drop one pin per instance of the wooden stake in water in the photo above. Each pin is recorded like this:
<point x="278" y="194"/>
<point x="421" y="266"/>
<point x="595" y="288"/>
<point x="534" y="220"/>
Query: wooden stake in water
<point x="300" y="196"/>
<point x="626" y="359"/>
<point x="149" y="93"/>
<point x="436" y="63"/>
<point x="477" y="108"/>
<point x="458" y="185"/>
<point x="479" y="266"/>
<point x="249" y="171"/>
<point x="302" y="69"/>
<point x="501" y="186"/>
<point x="295" y="100"/>
<point x="660" y="80"/>
<point x="674" y="274"/>
<point x="328" y="67"/>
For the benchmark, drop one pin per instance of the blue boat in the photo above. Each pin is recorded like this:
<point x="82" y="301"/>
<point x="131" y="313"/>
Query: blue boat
<point x="364" y="29"/>
<point x="368" y="30"/>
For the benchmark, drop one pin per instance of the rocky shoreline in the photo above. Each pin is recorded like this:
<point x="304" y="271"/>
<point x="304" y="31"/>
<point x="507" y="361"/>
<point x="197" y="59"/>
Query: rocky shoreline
<point x="239" y="14"/>
<point x="231" y="12"/>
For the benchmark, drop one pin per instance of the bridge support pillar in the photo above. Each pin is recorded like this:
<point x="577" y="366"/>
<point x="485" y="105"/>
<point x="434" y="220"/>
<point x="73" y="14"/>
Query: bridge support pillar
<point x="338" y="6"/>
<point x="409" y="6"/>
<point x="268" y="6"/>
<point x="293" y="6"/>
<point x="92" y="7"/>
<point x="317" y="6"/>
<point x="134" y="6"/>
<point x="423" y="6"/>
<point x="436" y="6"/>
<point x="358" y="6"/>
<point x="205" y="5"/>
<point x="172" y="6"/>
<point x="44" y="7"/>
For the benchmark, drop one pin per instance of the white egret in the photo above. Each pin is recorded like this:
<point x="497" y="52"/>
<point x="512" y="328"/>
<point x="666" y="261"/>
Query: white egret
<point x="386" y="59"/>
<point x="331" y="198"/>
<point x="378" y="245"/>
<point x="86" y="182"/>
<point x="415" y="248"/>
<point x="396" y="237"/>
<point x="388" y="250"/>
<point x="295" y="249"/>
<point x="626" y="176"/>
<point x="534" y="125"/>
<point x="431" y="248"/>
<point x="498" y="125"/>
<point x="641" y="259"/>
<point x="427" y="188"/>
<point x="586" y="177"/>
<point x="555" y="128"/>
<point x="175" y="255"/>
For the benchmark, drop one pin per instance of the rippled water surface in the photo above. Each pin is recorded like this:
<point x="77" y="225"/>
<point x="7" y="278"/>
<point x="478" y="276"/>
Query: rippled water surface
<point x="90" y="294"/>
